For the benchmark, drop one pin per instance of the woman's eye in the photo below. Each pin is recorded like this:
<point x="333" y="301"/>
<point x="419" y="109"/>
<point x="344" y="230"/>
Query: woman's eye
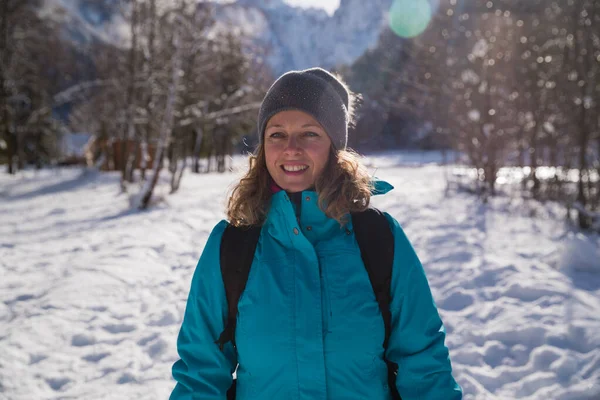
<point x="311" y="134"/>
<point x="276" y="135"/>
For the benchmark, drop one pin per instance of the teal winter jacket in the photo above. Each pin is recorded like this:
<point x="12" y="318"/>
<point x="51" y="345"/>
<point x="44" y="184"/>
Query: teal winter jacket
<point x="308" y="324"/>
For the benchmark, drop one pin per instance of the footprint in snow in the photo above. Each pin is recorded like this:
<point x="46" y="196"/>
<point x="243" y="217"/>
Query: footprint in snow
<point x="22" y="297"/>
<point x="119" y="328"/>
<point x="57" y="383"/>
<point x="165" y="319"/>
<point x="98" y="308"/>
<point x="95" y="357"/>
<point x="36" y="358"/>
<point x="147" y="339"/>
<point x="126" y="378"/>
<point x="457" y="301"/>
<point x="491" y="277"/>
<point x="494" y="353"/>
<point x="82" y="339"/>
<point x="156" y="349"/>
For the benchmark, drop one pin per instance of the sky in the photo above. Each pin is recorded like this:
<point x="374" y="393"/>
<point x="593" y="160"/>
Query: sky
<point x="328" y="5"/>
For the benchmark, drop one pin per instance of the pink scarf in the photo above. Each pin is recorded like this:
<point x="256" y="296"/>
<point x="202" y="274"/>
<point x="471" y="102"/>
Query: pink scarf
<point x="274" y="187"/>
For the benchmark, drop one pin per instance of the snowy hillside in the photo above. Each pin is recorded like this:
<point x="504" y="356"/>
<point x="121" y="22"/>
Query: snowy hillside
<point x="92" y="293"/>
<point x="302" y="38"/>
<point x="86" y="21"/>
<point x="295" y="37"/>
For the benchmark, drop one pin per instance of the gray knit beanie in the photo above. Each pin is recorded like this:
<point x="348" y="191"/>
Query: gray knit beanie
<point x="314" y="91"/>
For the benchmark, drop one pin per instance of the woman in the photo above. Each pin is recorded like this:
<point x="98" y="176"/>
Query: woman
<point x="308" y="323"/>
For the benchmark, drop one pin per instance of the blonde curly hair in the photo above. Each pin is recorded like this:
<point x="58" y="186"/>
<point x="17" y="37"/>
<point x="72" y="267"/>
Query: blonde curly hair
<point x="344" y="186"/>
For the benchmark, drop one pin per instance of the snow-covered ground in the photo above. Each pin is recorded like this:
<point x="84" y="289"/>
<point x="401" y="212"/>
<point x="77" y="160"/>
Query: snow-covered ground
<point x="92" y="293"/>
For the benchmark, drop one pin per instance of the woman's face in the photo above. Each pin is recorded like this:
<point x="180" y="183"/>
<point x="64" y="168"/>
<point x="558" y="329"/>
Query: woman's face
<point x="296" y="150"/>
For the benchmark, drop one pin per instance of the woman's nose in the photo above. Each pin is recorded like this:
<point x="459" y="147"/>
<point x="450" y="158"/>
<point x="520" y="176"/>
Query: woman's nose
<point x="292" y="145"/>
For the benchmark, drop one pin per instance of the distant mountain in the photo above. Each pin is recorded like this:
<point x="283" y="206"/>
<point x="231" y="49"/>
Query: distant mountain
<point x="295" y="37"/>
<point x="301" y="38"/>
<point x="86" y="21"/>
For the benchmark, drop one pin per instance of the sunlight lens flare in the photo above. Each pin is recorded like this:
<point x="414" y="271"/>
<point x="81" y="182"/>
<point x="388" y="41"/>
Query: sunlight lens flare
<point x="409" y="18"/>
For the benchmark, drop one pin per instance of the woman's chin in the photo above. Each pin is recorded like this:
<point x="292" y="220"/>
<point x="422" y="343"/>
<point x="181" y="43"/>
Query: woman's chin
<point x="294" y="187"/>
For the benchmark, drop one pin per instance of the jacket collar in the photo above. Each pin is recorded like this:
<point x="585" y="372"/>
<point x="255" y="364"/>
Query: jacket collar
<point x="379" y="187"/>
<point x="301" y="212"/>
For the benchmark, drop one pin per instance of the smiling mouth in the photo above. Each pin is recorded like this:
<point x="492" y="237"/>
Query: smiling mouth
<point x="294" y="168"/>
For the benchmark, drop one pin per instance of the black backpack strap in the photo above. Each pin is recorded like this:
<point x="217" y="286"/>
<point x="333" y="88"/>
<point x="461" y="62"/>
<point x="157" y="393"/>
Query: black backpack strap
<point x="237" y="252"/>
<point x="376" y="242"/>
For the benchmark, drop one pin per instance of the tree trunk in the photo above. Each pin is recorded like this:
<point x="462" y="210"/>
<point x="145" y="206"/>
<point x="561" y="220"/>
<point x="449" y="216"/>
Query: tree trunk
<point x="7" y="133"/>
<point x="133" y="147"/>
<point x="581" y="197"/>
<point x="197" y="148"/>
<point x="144" y="157"/>
<point x="129" y="144"/>
<point x="165" y="129"/>
<point x="20" y="140"/>
<point x="173" y="156"/>
<point x="210" y="152"/>
<point x="11" y="149"/>
<point x="584" y="135"/>
<point x="177" y="172"/>
<point x="534" y="143"/>
<point x="220" y="148"/>
<point x="149" y="91"/>
<point x="209" y="161"/>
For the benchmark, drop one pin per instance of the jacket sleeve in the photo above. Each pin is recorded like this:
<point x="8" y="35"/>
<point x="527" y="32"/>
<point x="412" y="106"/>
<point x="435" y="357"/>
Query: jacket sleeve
<point x="204" y="371"/>
<point x="416" y="342"/>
